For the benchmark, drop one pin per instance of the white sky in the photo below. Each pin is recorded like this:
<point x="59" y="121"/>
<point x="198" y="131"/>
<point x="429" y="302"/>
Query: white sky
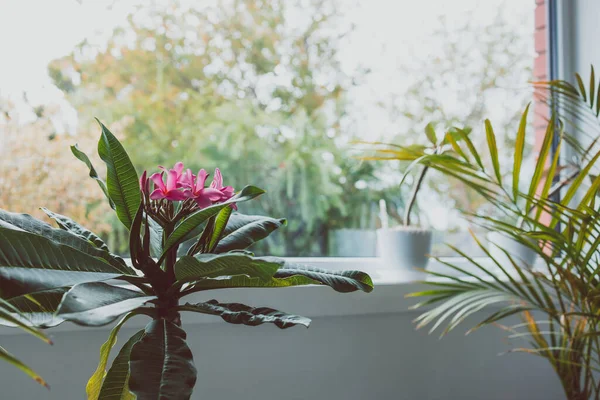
<point x="33" y="32"/>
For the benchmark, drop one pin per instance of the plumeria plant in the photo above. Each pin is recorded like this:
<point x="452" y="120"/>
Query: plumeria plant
<point x="185" y="237"/>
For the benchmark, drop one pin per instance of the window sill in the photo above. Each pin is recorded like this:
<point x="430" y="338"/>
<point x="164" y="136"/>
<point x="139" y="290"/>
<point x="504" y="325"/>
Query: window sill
<point x="388" y="297"/>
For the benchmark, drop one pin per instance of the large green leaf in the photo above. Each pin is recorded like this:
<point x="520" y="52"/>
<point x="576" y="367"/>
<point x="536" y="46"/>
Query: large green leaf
<point x="201" y="266"/>
<point x="37" y="309"/>
<point x="31" y="263"/>
<point x="294" y="275"/>
<point x="8" y="357"/>
<point x="161" y="364"/>
<point x="122" y="180"/>
<point x="189" y="227"/>
<point x="116" y="382"/>
<point x="73" y="227"/>
<point x="244" y="230"/>
<point x="95" y="383"/>
<point x="97" y="303"/>
<point x="340" y="281"/>
<point x="236" y="313"/>
<point x="30" y="224"/>
<point x="93" y="174"/>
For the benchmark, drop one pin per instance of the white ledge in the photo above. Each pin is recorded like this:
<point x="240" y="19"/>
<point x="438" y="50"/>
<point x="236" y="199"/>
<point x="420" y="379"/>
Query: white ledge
<point x="392" y="284"/>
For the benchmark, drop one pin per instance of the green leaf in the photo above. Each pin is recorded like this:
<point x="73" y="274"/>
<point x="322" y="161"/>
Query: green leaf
<point x="95" y="383"/>
<point x="236" y="313"/>
<point x="430" y="133"/>
<point x="38" y="309"/>
<point x="221" y="222"/>
<point x="592" y="87"/>
<point x="581" y="87"/>
<point x="161" y="364"/>
<point x="244" y="230"/>
<point x="340" y="281"/>
<point x="116" y="382"/>
<point x="188" y="228"/>
<point x="73" y="227"/>
<point x="540" y="165"/>
<point x="122" y="180"/>
<point x="491" y="140"/>
<point x="519" y="147"/>
<point x="189" y="268"/>
<point x="97" y="303"/>
<point x="156" y="238"/>
<point x="12" y="316"/>
<point x="31" y="263"/>
<point x="93" y="174"/>
<point x="29" y="224"/>
<point x="294" y="275"/>
<point x="6" y="356"/>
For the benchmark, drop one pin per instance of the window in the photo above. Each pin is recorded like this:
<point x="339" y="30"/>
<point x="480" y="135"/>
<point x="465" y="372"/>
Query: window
<point x="273" y="92"/>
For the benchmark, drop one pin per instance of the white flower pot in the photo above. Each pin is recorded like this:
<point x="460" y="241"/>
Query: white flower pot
<point x="405" y="248"/>
<point x="522" y="255"/>
<point x="352" y="243"/>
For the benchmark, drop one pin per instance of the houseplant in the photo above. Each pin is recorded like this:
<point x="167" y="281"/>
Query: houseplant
<point x="408" y="245"/>
<point x="54" y="275"/>
<point x="558" y="303"/>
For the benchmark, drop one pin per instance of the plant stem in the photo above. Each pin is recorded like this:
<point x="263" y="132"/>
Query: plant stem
<point x="413" y="196"/>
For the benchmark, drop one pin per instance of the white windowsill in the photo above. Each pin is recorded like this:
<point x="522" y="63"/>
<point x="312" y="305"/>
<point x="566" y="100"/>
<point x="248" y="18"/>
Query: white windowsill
<point x="388" y="297"/>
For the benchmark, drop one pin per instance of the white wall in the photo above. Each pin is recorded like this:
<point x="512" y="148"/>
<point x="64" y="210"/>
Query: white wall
<point x="338" y="358"/>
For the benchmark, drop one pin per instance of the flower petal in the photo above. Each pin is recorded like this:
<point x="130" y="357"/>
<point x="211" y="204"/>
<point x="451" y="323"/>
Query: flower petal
<point x="157" y="194"/>
<point x="213" y="194"/>
<point x="175" y="195"/>
<point x="217" y="182"/>
<point x="203" y="201"/>
<point x="200" y="180"/>
<point x="179" y="168"/>
<point x="172" y="180"/>
<point x="158" y="181"/>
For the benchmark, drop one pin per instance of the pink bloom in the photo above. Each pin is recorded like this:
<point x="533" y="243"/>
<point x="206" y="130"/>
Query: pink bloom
<point x="217" y="183"/>
<point x="169" y="191"/>
<point x="204" y="197"/>
<point x="178" y="168"/>
<point x="187" y="179"/>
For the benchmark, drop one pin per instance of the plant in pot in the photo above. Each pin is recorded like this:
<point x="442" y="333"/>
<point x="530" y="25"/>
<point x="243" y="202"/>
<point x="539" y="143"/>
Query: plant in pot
<point x="50" y="275"/>
<point x="408" y="246"/>
<point x="558" y="304"/>
<point x="457" y="157"/>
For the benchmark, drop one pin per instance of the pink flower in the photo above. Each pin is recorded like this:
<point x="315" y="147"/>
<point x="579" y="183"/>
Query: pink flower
<point x="178" y="168"/>
<point x="204" y="197"/>
<point x="170" y="191"/>
<point x="217" y="183"/>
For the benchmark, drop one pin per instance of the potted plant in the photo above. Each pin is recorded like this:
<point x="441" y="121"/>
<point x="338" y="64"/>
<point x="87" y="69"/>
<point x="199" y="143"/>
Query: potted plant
<point x="558" y="304"/>
<point x="408" y="245"/>
<point x="69" y="274"/>
<point x="457" y="157"/>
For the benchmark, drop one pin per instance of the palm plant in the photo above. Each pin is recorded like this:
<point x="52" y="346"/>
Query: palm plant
<point x="558" y="300"/>
<point x="52" y="275"/>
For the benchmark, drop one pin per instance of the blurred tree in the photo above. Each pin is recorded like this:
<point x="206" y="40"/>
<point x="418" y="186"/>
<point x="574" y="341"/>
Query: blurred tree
<point x="253" y="87"/>
<point x="37" y="170"/>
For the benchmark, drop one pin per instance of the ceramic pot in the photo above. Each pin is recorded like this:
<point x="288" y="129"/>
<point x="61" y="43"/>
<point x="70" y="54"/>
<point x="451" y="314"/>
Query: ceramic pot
<point x="405" y="248"/>
<point x="352" y="243"/>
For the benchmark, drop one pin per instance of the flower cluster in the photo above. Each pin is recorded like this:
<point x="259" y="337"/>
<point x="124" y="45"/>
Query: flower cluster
<point x="183" y="185"/>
